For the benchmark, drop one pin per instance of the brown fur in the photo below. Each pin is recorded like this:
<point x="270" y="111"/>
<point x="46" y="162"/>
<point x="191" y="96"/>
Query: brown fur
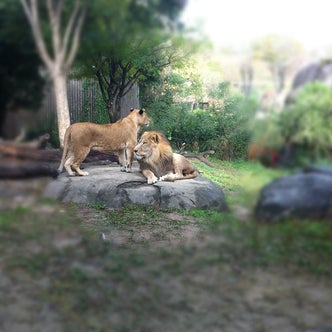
<point x="158" y="162"/>
<point x="119" y="137"/>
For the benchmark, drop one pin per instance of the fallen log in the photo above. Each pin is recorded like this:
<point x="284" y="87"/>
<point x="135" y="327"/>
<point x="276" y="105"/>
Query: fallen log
<point x="200" y="156"/>
<point x="22" y="151"/>
<point x="35" y="143"/>
<point x="27" y="170"/>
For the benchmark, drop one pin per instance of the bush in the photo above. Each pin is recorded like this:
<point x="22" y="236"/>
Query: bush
<point x="223" y="127"/>
<point x="307" y="123"/>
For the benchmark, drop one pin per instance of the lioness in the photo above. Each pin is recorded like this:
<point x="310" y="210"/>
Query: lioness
<point x="119" y="137"/>
<point x="158" y="162"/>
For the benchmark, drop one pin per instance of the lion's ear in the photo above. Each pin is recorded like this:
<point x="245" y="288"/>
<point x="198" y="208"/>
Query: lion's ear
<point x="131" y="109"/>
<point x="155" y="138"/>
<point x="141" y="111"/>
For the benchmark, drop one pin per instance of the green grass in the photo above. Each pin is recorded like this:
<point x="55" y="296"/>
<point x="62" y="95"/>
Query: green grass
<point x="88" y="280"/>
<point x="240" y="180"/>
<point x="301" y="244"/>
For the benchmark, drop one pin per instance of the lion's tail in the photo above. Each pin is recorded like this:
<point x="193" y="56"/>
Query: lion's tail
<point x="192" y="175"/>
<point x="171" y="177"/>
<point x="65" y="149"/>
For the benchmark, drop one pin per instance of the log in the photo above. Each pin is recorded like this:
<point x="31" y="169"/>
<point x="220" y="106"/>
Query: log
<point x="27" y="170"/>
<point x="23" y="151"/>
<point x="200" y="156"/>
<point x="35" y="143"/>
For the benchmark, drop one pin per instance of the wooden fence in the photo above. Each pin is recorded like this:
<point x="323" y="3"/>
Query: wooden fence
<point x="83" y="99"/>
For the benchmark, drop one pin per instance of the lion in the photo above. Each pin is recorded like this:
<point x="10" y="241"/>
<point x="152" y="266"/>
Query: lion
<point x="158" y="162"/>
<point x="119" y="137"/>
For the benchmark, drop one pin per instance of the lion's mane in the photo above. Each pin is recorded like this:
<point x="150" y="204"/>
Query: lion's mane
<point x="157" y="160"/>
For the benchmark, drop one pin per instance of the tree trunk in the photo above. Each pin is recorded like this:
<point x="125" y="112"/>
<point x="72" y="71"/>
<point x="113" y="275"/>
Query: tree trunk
<point x="61" y="101"/>
<point x="65" y="40"/>
<point x="114" y="111"/>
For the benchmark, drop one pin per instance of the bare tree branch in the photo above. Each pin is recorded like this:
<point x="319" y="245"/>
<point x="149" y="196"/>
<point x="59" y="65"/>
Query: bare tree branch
<point x="76" y="38"/>
<point x="31" y="11"/>
<point x="69" y="28"/>
<point x="102" y="84"/>
<point x="58" y="63"/>
<point x="55" y="28"/>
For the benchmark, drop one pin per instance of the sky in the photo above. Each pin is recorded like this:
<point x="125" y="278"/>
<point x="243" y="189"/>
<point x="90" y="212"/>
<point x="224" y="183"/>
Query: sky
<point x="237" y="22"/>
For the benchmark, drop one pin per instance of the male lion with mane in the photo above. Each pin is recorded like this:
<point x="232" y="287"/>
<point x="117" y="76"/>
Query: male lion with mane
<point x="158" y="162"/>
<point x="119" y="137"/>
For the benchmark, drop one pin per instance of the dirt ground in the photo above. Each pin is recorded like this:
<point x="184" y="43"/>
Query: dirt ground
<point x="96" y="273"/>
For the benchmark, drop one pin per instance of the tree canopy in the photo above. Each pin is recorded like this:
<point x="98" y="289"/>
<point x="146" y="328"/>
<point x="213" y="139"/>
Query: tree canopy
<point x="279" y="54"/>
<point x="131" y="41"/>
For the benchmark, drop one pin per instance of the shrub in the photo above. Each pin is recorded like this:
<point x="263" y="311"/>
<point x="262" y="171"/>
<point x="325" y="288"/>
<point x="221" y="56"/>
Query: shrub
<point x="223" y="127"/>
<point x="307" y="122"/>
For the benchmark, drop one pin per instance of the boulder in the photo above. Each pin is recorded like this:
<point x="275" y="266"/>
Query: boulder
<point x="109" y="186"/>
<point x="304" y="195"/>
<point x="315" y="71"/>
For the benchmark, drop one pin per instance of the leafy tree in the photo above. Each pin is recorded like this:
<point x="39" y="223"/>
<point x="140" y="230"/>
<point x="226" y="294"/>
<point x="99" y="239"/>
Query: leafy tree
<point x="64" y="25"/>
<point x="171" y="95"/>
<point x="278" y="52"/>
<point x="308" y="121"/>
<point x="20" y="82"/>
<point x="132" y="41"/>
<point x="224" y="127"/>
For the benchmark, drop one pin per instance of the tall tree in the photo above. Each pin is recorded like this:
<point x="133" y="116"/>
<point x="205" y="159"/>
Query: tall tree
<point x="279" y="52"/>
<point x="135" y="41"/>
<point x="59" y="57"/>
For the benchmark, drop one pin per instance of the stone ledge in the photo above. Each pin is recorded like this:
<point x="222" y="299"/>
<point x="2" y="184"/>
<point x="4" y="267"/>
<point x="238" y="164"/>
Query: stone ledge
<point x="108" y="185"/>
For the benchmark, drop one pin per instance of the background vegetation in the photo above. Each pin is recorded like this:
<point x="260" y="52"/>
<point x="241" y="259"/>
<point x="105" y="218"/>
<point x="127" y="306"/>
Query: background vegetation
<point x="206" y="98"/>
<point x="168" y="267"/>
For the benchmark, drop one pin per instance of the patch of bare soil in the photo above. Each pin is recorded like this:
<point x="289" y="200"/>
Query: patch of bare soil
<point x="156" y="271"/>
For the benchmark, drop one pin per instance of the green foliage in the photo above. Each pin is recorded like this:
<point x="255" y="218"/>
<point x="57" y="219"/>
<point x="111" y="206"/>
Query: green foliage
<point x="301" y="245"/>
<point x="131" y="41"/>
<point x="276" y="50"/>
<point x="97" y="206"/>
<point x="278" y="53"/>
<point x="308" y="121"/>
<point x="224" y="127"/>
<point x="97" y="104"/>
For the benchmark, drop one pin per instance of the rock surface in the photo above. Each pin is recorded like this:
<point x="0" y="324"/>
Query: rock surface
<point x="109" y="186"/>
<point x="304" y="195"/>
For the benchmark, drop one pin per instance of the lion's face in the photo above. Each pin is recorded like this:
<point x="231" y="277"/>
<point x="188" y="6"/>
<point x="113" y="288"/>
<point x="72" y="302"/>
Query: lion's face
<point x="142" y="118"/>
<point x="146" y="145"/>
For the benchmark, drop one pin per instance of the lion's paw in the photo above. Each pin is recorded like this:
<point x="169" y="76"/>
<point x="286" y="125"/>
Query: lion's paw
<point x="152" y="180"/>
<point x="84" y="173"/>
<point x="126" y="169"/>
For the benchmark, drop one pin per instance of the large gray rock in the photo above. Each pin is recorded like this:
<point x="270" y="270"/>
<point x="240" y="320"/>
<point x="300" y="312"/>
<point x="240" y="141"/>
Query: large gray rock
<point x="107" y="185"/>
<point x="315" y="71"/>
<point x="304" y="195"/>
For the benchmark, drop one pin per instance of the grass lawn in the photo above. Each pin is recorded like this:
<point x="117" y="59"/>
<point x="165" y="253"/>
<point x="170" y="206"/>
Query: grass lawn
<point x="91" y="268"/>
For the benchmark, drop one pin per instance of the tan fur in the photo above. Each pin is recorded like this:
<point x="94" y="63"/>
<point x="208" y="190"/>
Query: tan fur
<point x="158" y="162"/>
<point x="119" y="137"/>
